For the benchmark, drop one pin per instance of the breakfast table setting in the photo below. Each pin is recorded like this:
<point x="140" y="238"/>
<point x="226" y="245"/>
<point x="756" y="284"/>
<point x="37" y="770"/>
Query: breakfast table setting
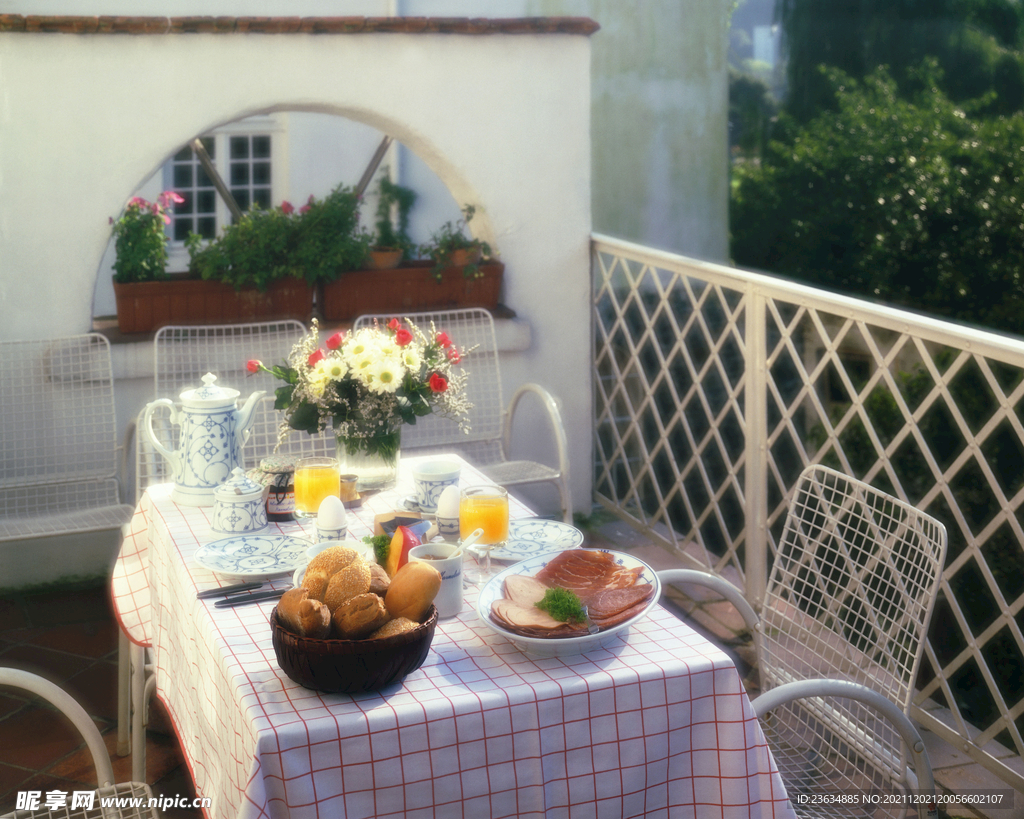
<point x="452" y="688"/>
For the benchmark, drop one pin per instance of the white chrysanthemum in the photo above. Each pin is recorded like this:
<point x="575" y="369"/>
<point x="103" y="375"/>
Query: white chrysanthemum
<point x="318" y="380"/>
<point x="385" y="376"/>
<point x="411" y="358"/>
<point x="335" y="368"/>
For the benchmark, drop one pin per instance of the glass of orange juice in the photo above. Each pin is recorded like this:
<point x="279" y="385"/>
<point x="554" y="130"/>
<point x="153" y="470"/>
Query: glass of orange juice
<point x="484" y="507"/>
<point x="315" y="479"/>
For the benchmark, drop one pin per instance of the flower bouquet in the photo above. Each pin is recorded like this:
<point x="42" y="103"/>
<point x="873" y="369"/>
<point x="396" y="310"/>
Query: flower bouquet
<point x="366" y="385"/>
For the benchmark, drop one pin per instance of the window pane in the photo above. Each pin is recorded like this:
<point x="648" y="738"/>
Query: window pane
<point x="206" y="202"/>
<point x="184" y="155"/>
<point x="239" y="173"/>
<point x="183" y="176"/>
<point x="207" y="227"/>
<point x="239" y="147"/>
<point x="261" y="173"/>
<point x="241" y="198"/>
<point x="261" y="147"/>
<point x="182" y="227"/>
<point x="262" y="197"/>
<point x="210" y="144"/>
<point x="185" y="207"/>
<point x="203" y="178"/>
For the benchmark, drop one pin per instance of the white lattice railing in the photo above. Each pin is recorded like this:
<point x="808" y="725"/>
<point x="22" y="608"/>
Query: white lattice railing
<point x="714" y="387"/>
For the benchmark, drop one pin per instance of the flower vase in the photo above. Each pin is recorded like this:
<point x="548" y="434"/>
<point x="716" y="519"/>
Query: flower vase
<point x="373" y="460"/>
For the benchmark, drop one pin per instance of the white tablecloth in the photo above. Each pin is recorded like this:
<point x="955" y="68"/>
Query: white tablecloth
<point x="655" y="724"/>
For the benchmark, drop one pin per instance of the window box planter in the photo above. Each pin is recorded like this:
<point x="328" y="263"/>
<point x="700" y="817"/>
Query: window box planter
<point x="143" y="307"/>
<point x="410" y="288"/>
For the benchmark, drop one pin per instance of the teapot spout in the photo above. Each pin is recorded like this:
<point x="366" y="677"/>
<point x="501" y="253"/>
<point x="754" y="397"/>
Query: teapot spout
<point x="246" y="417"/>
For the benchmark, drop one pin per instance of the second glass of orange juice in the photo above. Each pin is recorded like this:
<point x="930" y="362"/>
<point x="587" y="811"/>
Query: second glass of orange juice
<point x="484" y="507"/>
<point x="315" y="479"/>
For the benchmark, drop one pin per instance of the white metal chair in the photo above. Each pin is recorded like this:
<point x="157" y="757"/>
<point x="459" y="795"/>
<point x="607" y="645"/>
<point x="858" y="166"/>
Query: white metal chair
<point x="488" y="443"/>
<point x="58" y="438"/>
<point x="126" y="794"/>
<point x="839" y="640"/>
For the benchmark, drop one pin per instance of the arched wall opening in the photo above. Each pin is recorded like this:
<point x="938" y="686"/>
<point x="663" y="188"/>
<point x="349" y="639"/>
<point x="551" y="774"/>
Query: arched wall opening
<point x="499" y="110"/>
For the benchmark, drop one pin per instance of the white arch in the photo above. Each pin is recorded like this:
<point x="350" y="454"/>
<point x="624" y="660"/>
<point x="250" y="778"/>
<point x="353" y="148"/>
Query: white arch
<point x="503" y="119"/>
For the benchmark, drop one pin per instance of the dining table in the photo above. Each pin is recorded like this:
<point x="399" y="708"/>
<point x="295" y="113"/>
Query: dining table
<point x="655" y="723"/>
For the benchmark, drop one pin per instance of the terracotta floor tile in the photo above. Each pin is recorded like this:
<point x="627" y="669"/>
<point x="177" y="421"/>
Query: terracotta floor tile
<point x="95" y="688"/>
<point x="54" y="665"/>
<point x="10" y="703"/>
<point x="176" y="784"/>
<point x="36" y="738"/>
<point x="94" y="639"/>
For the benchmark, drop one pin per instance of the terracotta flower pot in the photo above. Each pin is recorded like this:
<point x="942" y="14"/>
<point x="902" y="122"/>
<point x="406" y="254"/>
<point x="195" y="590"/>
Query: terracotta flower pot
<point x="385" y="258"/>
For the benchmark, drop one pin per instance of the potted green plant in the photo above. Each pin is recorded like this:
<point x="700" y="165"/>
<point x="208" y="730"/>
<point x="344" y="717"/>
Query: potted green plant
<point x="391" y="243"/>
<point x="451" y="247"/>
<point x="140" y="240"/>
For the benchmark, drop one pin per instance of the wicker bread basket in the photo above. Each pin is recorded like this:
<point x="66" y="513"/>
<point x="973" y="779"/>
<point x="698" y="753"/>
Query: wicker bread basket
<point x="351" y="666"/>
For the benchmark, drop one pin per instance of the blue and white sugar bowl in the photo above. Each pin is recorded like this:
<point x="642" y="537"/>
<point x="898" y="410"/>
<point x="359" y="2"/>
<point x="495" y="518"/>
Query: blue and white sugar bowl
<point x="239" y="505"/>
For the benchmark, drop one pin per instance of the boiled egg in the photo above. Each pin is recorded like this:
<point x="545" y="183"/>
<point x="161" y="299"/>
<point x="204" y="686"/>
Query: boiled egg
<point x="331" y="514"/>
<point x="448" y="503"/>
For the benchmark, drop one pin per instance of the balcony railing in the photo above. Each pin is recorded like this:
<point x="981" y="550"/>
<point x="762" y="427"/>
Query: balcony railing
<point x="715" y="387"/>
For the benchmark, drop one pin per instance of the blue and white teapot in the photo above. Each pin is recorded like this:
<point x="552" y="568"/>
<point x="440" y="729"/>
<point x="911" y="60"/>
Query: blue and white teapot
<point x="213" y="432"/>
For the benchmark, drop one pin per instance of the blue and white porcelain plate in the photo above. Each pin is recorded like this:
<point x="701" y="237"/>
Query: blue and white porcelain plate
<point x="562" y="646"/>
<point x="528" y="537"/>
<point x="253" y="556"/>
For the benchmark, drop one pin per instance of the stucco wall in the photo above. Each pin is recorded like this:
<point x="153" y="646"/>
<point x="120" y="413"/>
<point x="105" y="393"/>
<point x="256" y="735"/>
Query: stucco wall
<point x="503" y="120"/>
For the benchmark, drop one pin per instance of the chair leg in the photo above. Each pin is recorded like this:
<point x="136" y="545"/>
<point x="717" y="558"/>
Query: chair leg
<point x="139" y="707"/>
<point x="124" y="695"/>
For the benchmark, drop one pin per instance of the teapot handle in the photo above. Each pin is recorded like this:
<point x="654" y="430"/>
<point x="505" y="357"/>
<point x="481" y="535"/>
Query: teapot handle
<point x="147" y="427"/>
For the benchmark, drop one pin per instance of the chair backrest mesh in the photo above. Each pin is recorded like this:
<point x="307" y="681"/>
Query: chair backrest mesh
<point x="184" y="354"/>
<point x="472" y="332"/>
<point x="850" y="592"/>
<point x="57" y="420"/>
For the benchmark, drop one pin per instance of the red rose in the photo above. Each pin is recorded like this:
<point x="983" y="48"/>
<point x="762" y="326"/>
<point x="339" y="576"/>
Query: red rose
<point x="314" y="357"/>
<point x="394" y="324"/>
<point x="286" y="207"/>
<point x="253" y="366"/>
<point x="403" y="337"/>
<point x="334" y="342"/>
<point x="454" y="356"/>
<point x="443" y="340"/>
<point x="438" y="383"/>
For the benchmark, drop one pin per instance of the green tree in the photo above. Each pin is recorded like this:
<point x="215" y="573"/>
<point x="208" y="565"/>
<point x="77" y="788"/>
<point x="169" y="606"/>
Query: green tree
<point x="974" y="41"/>
<point x="904" y="200"/>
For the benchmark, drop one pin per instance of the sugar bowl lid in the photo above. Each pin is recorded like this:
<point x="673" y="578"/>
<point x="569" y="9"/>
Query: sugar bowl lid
<point x="237" y="488"/>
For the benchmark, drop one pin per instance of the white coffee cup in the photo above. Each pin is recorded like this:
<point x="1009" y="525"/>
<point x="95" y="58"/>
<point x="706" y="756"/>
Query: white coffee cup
<point x="430" y="479"/>
<point x="449" y="597"/>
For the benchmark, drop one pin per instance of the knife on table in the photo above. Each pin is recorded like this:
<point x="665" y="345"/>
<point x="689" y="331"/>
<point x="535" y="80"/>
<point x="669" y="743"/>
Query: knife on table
<point x="243" y="599"/>
<point x="224" y="591"/>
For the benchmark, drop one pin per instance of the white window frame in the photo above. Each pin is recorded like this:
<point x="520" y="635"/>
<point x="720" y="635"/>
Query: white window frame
<point x="274" y="125"/>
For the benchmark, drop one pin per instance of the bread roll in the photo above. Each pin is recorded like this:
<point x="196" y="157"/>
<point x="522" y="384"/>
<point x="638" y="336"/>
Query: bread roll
<point x="347" y="583"/>
<point x="358" y="616"/>
<point x="332" y="559"/>
<point x="302" y="616"/>
<point x="315" y="582"/>
<point x="399" y="626"/>
<point x="379" y="580"/>
<point x="412" y="590"/>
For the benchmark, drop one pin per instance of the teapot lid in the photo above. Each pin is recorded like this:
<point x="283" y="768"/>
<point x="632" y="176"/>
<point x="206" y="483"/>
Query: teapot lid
<point x="237" y="487"/>
<point x="209" y="395"/>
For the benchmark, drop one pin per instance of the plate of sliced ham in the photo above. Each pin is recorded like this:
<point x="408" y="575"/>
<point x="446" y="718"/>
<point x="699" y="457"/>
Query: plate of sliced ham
<point x="617" y="589"/>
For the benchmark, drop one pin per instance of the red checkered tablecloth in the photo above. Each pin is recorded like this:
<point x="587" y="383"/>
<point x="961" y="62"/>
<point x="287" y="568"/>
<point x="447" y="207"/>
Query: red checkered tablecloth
<point x="655" y="724"/>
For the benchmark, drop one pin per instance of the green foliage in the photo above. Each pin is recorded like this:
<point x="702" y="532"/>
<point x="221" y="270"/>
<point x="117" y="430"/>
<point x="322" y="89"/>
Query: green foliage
<point x="451" y="237"/>
<point x="392" y="234"/>
<point x="751" y="110"/>
<point x="972" y="40"/>
<point x="316" y="244"/>
<point x="140" y="241"/>
<point x="903" y="200"/>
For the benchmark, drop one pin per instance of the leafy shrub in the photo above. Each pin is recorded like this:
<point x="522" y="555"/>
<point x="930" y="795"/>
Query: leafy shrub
<point x="905" y="200"/>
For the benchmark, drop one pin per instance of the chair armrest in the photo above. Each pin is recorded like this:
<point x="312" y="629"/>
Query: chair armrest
<point x="554" y="416"/>
<point x="716" y="584"/>
<point x="801" y="689"/>
<point x="122" y="467"/>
